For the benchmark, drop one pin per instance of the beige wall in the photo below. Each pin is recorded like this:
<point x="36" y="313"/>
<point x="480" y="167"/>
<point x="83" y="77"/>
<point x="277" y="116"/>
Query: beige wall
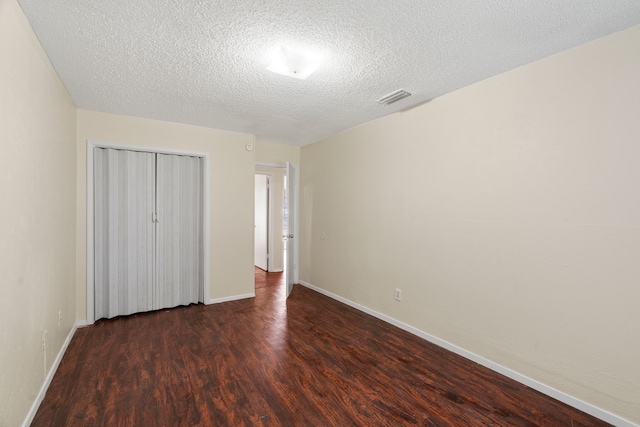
<point x="37" y="217"/>
<point x="231" y="192"/>
<point x="274" y="153"/>
<point x="508" y="213"/>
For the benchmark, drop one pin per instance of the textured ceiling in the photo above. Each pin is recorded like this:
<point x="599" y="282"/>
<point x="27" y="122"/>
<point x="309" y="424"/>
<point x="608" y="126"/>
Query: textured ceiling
<point x="203" y="62"/>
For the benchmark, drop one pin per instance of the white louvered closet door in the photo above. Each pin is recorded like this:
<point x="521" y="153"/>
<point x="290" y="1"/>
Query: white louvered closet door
<point x="124" y="202"/>
<point x="179" y="276"/>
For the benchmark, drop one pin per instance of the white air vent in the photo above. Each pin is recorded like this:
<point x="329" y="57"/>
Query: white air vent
<point x="393" y="97"/>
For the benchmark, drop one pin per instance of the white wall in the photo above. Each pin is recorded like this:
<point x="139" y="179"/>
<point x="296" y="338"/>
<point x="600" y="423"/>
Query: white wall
<point x="37" y="214"/>
<point x="508" y="213"/>
<point x="231" y="192"/>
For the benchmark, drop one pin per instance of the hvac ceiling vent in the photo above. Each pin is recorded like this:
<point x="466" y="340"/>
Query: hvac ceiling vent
<point x="393" y="97"/>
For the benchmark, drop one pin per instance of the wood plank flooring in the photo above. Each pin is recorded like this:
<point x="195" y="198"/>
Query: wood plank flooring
<point x="267" y="361"/>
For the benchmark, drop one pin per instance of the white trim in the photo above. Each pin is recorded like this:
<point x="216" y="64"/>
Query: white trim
<point x="232" y="298"/>
<point x="91" y="144"/>
<point x="47" y="381"/>
<point x="207" y="226"/>
<point x="283" y="168"/>
<point x="90" y="309"/>
<point x="523" y="379"/>
<point x="270" y="233"/>
<point x="145" y="148"/>
<point x="271" y="165"/>
<point x="296" y="232"/>
<point x="296" y="252"/>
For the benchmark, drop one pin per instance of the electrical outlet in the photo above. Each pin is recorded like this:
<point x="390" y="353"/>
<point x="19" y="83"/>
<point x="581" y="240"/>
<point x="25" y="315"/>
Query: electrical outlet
<point x="398" y="294"/>
<point x="59" y="317"/>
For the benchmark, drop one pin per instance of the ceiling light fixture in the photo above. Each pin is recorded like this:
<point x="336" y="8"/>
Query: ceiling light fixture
<point x="294" y="62"/>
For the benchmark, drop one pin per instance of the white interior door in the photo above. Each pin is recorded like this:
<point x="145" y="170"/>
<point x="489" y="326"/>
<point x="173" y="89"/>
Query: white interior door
<point x="124" y="232"/>
<point x="261" y="234"/>
<point x="179" y="231"/>
<point x="291" y="227"/>
<point x="148" y="231"/>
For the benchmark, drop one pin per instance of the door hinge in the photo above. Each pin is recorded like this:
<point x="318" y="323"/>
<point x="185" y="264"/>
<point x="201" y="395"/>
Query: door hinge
<point x="154" y="217"/>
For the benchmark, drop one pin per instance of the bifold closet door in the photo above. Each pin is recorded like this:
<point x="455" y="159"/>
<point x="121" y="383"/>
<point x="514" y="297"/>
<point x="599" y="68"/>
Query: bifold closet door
<point x="124" y="183"/>
<point x="179" y="276"/>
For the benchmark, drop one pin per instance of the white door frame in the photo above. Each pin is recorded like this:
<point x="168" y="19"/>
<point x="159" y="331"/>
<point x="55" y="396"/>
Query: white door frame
<point x="90" y="213"/>
<point x="296" y="232"/>
<point x="270" y="235"/>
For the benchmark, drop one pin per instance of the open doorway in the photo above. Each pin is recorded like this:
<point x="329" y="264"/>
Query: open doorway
<point x="269" y="245"/>
<point x="270" y="226"/>
<point x="278" y="215"/>
<point x="262" y="216"/>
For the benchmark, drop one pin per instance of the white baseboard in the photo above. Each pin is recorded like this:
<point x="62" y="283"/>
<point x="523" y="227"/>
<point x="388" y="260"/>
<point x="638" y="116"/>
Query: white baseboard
<point x="231" y="298"/>
<point x="47" y="381"/>
<point x="523" y="379"/>
<point x="276" y="271"/>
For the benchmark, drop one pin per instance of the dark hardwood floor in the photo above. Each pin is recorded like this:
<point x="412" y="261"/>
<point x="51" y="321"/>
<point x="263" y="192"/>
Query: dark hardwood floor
<point x="267" y="280"/>
<point x="305" y="361"/>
